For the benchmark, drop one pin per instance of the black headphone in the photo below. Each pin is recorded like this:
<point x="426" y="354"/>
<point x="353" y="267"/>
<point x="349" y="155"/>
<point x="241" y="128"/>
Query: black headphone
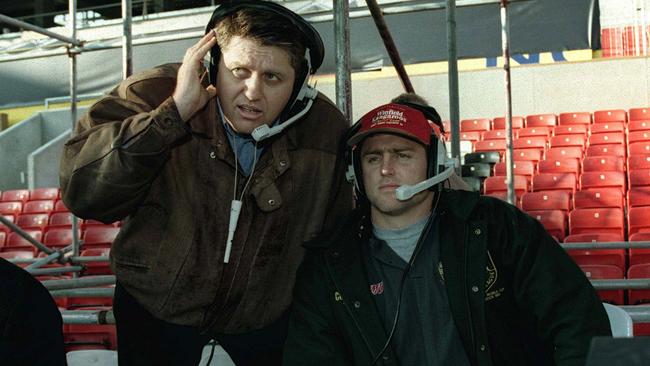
<point x="436" y="151"/>
<point x="311" y="39"/>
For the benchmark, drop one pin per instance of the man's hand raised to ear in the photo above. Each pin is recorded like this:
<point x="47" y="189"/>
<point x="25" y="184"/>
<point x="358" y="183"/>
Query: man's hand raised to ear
<point x="190" y="95"/>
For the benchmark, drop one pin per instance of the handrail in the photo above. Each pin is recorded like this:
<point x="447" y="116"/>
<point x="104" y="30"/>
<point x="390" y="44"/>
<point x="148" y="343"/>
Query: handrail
<point x="607" y="245"/>
<point x="64" y="99"/>
<point x="23" y="25"/>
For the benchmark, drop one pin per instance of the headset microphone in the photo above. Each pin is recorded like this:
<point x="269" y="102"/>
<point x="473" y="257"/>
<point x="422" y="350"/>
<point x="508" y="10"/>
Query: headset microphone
<point x="405" y="192"/>
<point x="264" y="131"/>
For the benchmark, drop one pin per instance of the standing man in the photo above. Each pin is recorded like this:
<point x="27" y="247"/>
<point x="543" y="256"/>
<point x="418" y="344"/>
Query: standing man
<point x="220" y="179"/>
<point x="420" y="275"/>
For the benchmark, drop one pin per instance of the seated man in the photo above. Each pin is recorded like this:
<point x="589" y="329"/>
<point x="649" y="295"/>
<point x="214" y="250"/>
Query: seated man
<point x="422" y="275"/>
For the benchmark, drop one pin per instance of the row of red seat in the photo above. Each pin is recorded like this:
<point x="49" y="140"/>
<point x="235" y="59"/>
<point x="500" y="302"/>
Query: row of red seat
<point x="636" y="117"/>
<point x="24" y="195"/>
<point x="609" y="272"/>
<point x="92" y="237"/>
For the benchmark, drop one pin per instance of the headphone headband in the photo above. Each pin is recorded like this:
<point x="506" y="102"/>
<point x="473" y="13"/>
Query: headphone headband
<point x="310" y="36"/>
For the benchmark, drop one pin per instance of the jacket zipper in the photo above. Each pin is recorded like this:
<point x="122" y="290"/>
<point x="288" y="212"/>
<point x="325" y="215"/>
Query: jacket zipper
<point x="467" y="301"/>
<point x="348" y="310"/>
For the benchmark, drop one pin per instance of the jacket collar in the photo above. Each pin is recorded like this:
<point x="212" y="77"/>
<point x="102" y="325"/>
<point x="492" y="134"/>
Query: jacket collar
<point x="457" y="202"/>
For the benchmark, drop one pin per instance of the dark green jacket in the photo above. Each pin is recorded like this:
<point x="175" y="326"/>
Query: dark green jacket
<point x="516" y="297"/>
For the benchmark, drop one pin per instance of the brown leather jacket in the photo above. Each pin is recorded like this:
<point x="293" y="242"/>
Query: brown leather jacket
<point x="133" y="158"/>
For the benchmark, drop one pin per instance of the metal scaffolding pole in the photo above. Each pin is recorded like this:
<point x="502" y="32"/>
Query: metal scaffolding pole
<point x="505" y="45"/>
<point x="127" y="44"/>
<point x="393" y="53"/>
<point x="91" y="281"/>
<point x="88" y="316"/>
<point x="342" y="47"/>
<point x="26" y="26"/>
<point x="454" y="104"/>
<point x="608" y="245"/>
<point x="84" y="292"/>
<point x="635" y="284"/>
<point x="72" y="53"/>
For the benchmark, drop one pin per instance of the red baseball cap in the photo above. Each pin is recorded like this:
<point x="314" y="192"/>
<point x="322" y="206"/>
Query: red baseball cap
<point x="395" y="119"/>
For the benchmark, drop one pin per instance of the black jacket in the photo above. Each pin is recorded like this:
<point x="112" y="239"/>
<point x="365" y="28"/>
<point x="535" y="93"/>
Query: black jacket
<point x="516" y="297"/>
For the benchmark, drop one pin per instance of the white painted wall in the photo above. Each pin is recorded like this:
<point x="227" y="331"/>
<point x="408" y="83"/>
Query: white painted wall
<point x="555" y="88"/>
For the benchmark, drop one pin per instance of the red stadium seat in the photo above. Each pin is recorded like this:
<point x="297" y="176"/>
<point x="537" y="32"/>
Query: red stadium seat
<point x="605" y="272"/>
<point x="639" y="219"/>
<point x="18" y="254"/>
<point x="639" y="196"/>
<point x="533" y="155"/>
<point x="636" y="162"/>
<point x="97" y="268"/>
<point x="639" y="114"/>
<point x="571" y="130"/>
<point x="612" y="115"/>
<point x="575" y="118"/>
<point x="554" y="221"/>
<point x="546" y="200"/>
<point x="520" y="167"/>
<point x="564" y="152"/>
<point x="604" y="179"/>
<point x="478" y="124"/>
<point x="472" y="136"/>
<point x="11" y="219"/>
<point x="99" y="236"/>
<point x="612" y="257"/>
<point x="16" y="242"/>
<point x="599" y="198"/>
<point x="500" y="123"/>
<point x="639" y="148"/>
<point x="607" y="138"/>
<point x="499" y="184"/>
<point x="30" y="221"/>
<point x="539" y="120"/>
<point x="490" y="145"/>
<point x="603" y="164"/>
<point x="610" y="127"/>
<point x="11" y="208"/>
<point x="534" y="131"/>
<point x="563" y="165"/>
<point x="59" y="206"/>
<point x="596" y="220"/>
<point x="639" y="256"/>
<point x="44" y="194"/>
<point x="554" y="181"/>
<point x="496" y="135"/>
<point x="638" y="136"/>
<point x="15" y="195"/>
<point x="638" y="125"/>
<point x="38" y="206"/>
<point x="600" y="150"/>
<point x="60" y="219"/>
<point x="568" y="140"/>
<point x="530" y="142"/>
<point x="636" y="297"/>
<point x="639" y="178"/>
<point x="58" y="238"/>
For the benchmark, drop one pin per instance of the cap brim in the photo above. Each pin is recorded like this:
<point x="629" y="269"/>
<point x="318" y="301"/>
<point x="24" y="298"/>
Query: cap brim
<point x="362" y="135"/>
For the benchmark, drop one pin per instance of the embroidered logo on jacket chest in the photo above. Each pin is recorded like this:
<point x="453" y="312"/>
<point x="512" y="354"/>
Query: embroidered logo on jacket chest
<point x="491" y="276"/>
